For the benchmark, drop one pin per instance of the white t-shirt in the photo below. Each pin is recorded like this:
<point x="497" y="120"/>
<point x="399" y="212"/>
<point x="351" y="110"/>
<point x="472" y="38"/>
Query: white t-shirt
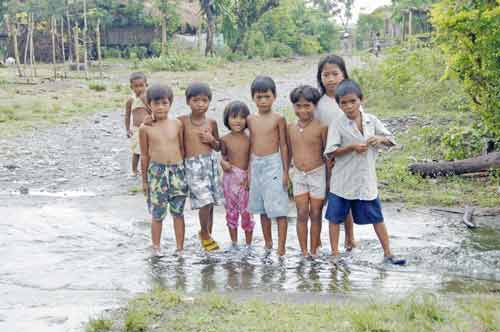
<point x="326" y="110"/>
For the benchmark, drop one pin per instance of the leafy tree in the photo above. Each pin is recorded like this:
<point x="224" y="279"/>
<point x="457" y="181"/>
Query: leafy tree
<point x="211" y="9"/>
<point x="342" y="9"/>
<point x="469" y="34"/>
<point x="367" y="26"/>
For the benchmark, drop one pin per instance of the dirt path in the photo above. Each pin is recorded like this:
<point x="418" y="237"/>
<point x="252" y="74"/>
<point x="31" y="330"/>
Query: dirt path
<point x="92" y="154"/>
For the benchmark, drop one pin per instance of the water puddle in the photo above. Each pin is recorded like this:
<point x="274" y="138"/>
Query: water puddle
<point x="68" y="258"/>
<point x="43" y="193"/>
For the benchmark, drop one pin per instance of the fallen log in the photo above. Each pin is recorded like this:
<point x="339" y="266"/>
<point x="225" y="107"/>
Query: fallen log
<point x="446" y="168"/>
<point x="483" y="212"/>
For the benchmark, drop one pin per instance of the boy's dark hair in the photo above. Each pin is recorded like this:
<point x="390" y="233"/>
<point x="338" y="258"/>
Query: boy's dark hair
<point x="333" y="60"/>
<point x="198" y="89"/>
<point x="158" y="91"/>
<point x="263" y="84"/>
<point x="233" y="109"/>
<point x="138" y="75"/>
<point x="346" y="87"/>
<point x="307" y="92"/>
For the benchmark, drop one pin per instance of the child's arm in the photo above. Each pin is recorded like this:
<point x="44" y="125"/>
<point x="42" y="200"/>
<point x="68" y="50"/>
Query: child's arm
<point x="215" y="145"/>
<point x="289" y="145"/>
<point x="144" y="144"/>
<point x="334" y="146"/>
<point x="224" y="162"/>
<point x="181" y="139"/>
<point x="283" y="150"/>
<point x="382" y="135"/>
<point x="128" y="113"/>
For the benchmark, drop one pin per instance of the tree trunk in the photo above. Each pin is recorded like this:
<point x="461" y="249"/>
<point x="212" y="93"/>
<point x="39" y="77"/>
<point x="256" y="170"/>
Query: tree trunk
<point x="32" y="47"/>
<point x="164" y="49"/>
<point x="27" y="43"/>
<point x="209" y="48"/>
<point x="70" y="55"/>
<point x="98" y="40"/>
<point x="12" y="31"/>
<point x="410" y="22"/>
<point x="63" y="48"/>
<point x="85" y="51"/>
<point x="53" y="34"/>
<point x="77" y="48"/>
<point x="445" y="168"/>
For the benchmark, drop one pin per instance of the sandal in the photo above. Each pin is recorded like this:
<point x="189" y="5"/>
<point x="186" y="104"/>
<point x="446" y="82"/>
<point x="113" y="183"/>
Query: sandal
<point x="209" y="245"/>
<point x="394" y="260"/>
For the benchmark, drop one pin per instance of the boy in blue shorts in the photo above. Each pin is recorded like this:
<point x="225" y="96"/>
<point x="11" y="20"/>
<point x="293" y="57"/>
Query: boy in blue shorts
<point x="268" y="163"/>
<point x="353" y="140"/>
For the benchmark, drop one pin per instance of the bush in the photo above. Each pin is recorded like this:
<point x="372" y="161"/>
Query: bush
<point x="462" y="142"/>
<point x="308" y="46"/>
<point x="97" y="86"/>
<point x="110" y="52"/>
<point x="172" y="62"/>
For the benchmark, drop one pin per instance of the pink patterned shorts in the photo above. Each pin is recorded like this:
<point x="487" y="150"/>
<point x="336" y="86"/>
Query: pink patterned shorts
<point x="236" y="199"/>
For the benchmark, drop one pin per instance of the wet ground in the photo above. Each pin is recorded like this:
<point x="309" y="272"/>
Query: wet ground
<point x="75" y="242"/>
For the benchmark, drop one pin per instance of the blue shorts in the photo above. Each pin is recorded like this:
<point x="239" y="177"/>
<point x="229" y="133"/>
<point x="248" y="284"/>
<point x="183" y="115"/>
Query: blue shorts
<point x="363" y="212"/>
<point x="267" y="195"/>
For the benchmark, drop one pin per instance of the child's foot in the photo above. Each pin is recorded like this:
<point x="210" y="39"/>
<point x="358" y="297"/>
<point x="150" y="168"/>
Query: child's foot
<point x="157" y="251"/>
<point x="133" y="174"/>
<point x="350" y="245"/>
<point x="394" y="260"/>
<point x="209" y="244"/>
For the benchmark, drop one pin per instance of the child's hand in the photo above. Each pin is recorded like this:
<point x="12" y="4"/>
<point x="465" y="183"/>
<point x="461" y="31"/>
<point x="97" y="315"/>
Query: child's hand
<point x="226" y="166"/>
<point x="148" y="120"/>
<point x="375" y="140"/>
<point x="129" y="133"/>
<point x="360" y="148"/>
<point x="330" y="163"/>
<point x="206" y="136"/>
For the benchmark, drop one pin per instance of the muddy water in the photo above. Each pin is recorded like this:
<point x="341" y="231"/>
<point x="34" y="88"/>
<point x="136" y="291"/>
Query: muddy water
<point x="65" y="259"/>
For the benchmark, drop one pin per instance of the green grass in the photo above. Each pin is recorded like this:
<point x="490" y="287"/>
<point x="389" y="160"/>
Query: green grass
<point x="163" y="310"/>
<point x="99" y="325"/>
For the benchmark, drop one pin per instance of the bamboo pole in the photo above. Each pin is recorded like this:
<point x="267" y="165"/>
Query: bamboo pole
<point x="32" y="47"/>
<point x="53" y="35"/>
<point x="12" y="31"/>
<point x="77" y="48"/>
<point x="85" y="51"/>
<point x="98" y="40"/>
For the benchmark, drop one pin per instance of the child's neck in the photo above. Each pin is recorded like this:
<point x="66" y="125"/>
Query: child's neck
<point x="262" y="112"/>
<point x="237" y="133"/>
<point x="331" y="94"/>
<point x="198" y="116"/>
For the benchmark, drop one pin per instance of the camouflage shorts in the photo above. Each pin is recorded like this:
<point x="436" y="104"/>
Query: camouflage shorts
<point x="166" y="188"/>
<point x="203" y="177"/>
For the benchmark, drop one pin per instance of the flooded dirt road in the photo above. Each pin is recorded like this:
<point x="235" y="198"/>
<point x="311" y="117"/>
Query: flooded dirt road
<point x="66" y="259"/>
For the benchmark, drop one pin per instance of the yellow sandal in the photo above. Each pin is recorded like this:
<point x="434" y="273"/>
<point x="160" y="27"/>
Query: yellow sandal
<point x="209" y="245"/>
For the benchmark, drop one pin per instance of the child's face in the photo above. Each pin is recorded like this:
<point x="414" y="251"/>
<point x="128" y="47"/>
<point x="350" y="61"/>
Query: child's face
<point x="331" y="76"/>
<point x="199" y="104"/>
<point x="304" y="109"/>
<point x="350" y="104"/>
<point x="237" y="123"/>
<point x="160" y="108"/>
<point x="264" y="100"/>
<point x="138" y="86"/>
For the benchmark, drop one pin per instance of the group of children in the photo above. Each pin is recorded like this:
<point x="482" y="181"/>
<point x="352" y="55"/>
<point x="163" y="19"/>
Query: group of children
<point x="332" y="151"/>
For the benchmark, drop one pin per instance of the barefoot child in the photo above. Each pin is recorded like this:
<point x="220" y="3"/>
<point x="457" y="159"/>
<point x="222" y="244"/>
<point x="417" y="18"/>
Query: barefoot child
<point x="136" y="109"/>
<point x="201" y="138"/>
<point x="268" y="163"/>
<point x="353" y="141"/>
<point x="331" y="71"/>
<point x="307" y="140"/>
<point x="235" y="148"/>
<point x="163" y="173"/>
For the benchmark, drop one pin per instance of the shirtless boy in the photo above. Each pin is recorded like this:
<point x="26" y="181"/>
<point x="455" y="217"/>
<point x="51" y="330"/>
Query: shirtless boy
<point x="136" y="109"/>
<point x="163" y="174"/>
<point x="268" y="163"/>
<point x="201" y="138"/>
<point x="307" y="139"/>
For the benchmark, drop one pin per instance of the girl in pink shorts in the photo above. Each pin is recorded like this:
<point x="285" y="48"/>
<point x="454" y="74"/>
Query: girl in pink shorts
<point x="235" y="152"/>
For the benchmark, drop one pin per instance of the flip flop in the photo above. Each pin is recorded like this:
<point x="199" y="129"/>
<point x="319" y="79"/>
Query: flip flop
<point x="209" y="245"/>
<point x="394" y="260"/>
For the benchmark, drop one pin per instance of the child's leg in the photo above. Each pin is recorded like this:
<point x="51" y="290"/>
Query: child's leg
<point x="349" y="232"/>
<point x="383" y="237"/>
<point x="204" y="214"/>
<point x="265" y="222"/>
<point x="334" y="238"/>
<point x="211" y="219"/>
<point x="248" y="237"/>
<point x="282" y="229"/>
<point x="233" y="234"/>
<point x="302" y="203"/>
<point x="135" y="162"/>
<point x="179" y="229"/>
<point x="315" y="213"/>
<point x="156" y="226"/>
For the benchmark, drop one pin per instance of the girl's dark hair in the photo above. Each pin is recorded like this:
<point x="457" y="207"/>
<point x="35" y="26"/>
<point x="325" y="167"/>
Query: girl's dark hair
<point x="263" y="84"/>
<point x="307" y="92"/>
<point x="158" y="91"/>
<point x="333" y="60"/>
<point x="198" y="89"/>
<point x="233" y="109"/>
<point x="138" y="75"/>
<point x="346" y="87"/>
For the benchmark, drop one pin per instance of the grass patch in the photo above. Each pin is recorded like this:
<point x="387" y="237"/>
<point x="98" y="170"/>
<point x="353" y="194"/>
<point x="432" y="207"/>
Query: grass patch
<point x="99" y="325"/>
<point x="97" y="86"/>
<point x="163" y="310"/>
